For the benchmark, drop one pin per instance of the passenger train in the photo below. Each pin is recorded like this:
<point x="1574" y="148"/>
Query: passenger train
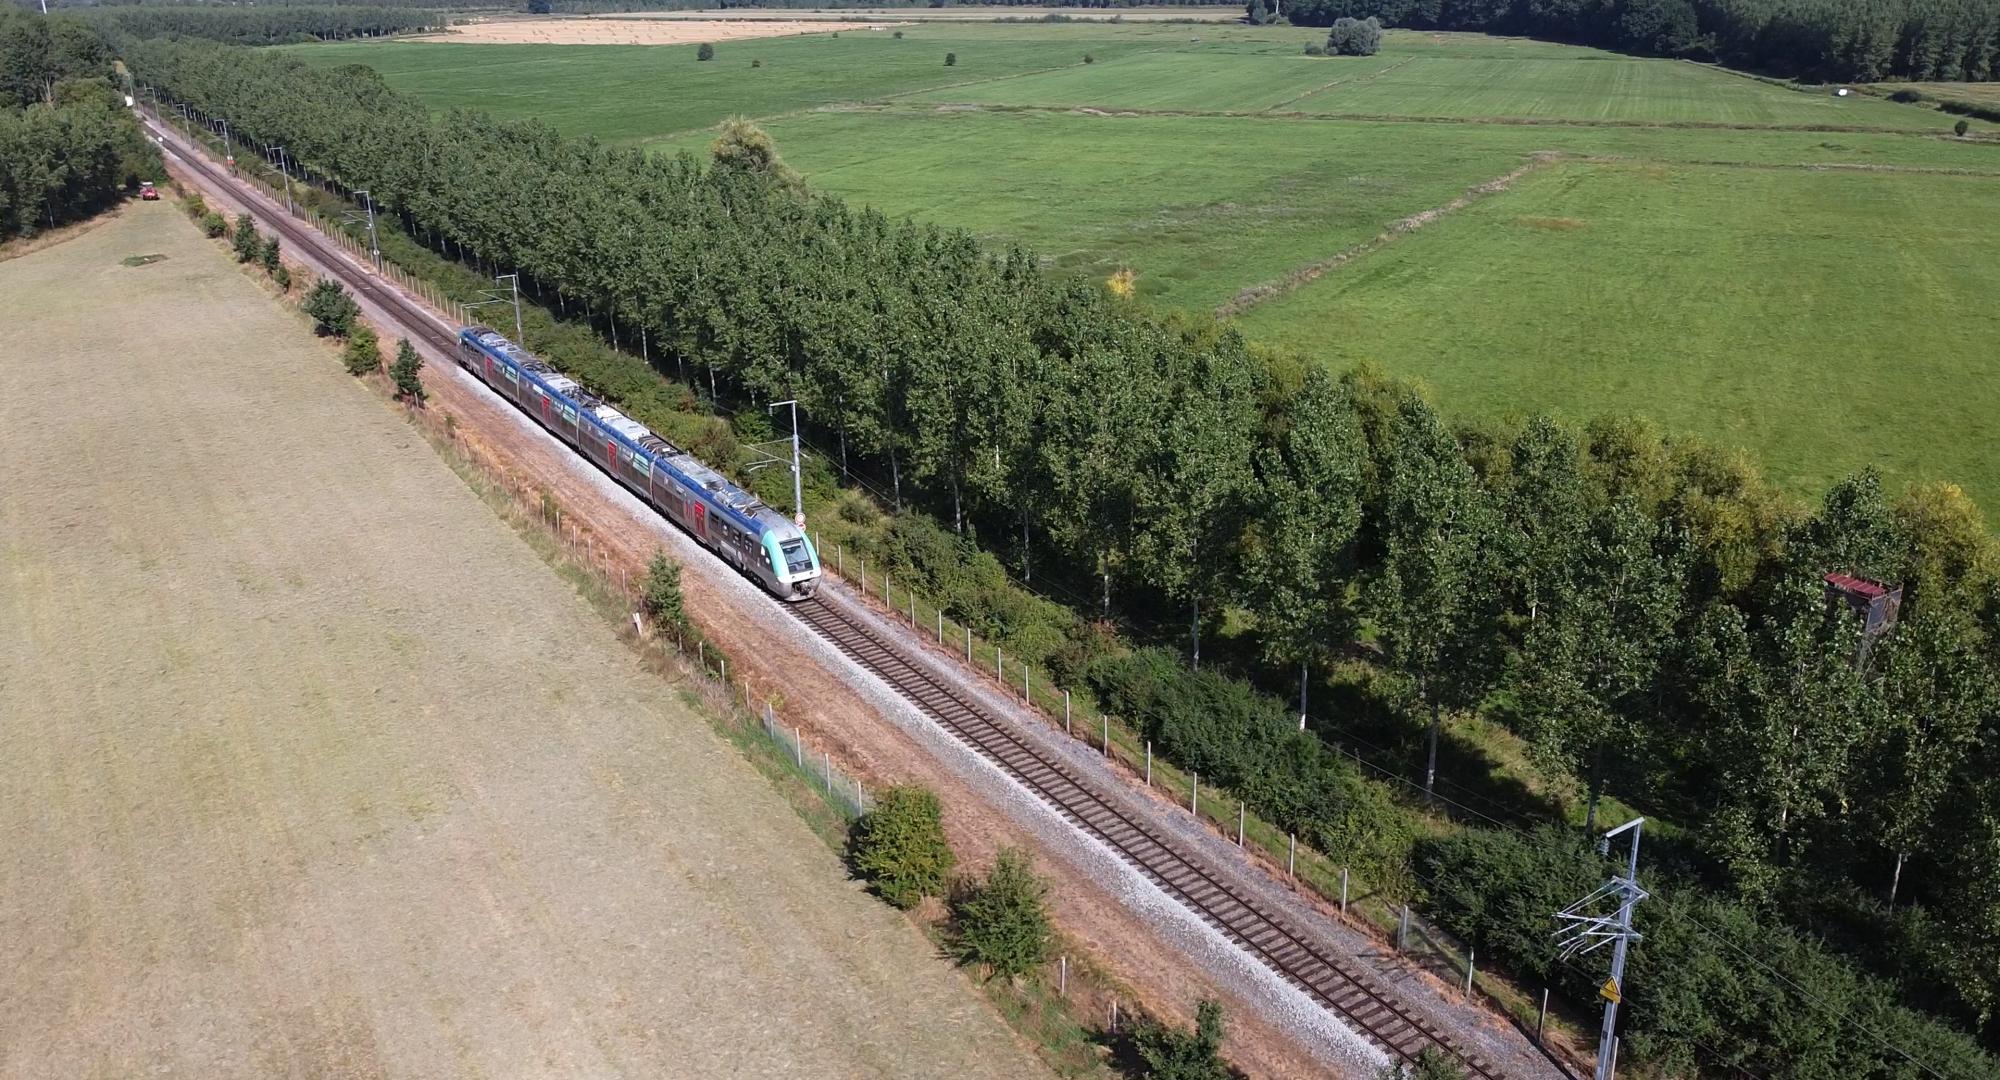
<point x="749" y="535"/>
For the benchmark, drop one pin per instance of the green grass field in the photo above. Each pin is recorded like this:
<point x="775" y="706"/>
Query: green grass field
<point x="1828" y="320"/>
<point x="1214" y="158"/>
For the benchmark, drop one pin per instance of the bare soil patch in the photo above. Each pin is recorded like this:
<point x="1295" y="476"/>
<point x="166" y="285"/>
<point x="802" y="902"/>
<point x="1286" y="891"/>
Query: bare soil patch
<point x="309" y="767"/>
<point x="595" y="30"/>
<point x="969" y="13"/>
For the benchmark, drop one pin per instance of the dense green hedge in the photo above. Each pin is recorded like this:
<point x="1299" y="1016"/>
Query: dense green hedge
<point x="1251" y="744"/>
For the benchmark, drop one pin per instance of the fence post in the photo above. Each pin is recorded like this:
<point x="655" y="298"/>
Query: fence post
<point x="1026" y="694"/>
<point x="1403" y="928"/>
<point x="826" y="767"/>
<point x="1471" y="955"/>
<point x="1241" y="810"/>
<point x="999" y="671"/>
<point x="968" y="644"/>
<point x="1107" y="735"/>
<point x="1062" y="976"/>
<point x="840" y="560"/>
<point x="1114" y="1016"/>
<point x="913" y="609"/>
<point x="940" y="626"/>
<point x="1292" y="858"/>
<point x="1542" y="1016"/>
<point x="799" y="746"/>
<point x="1194" y="798"/>
<point x="1068" y="728"/>
<point x="886" y="602"/>
<point x="701" y="650"/>
<point x="1149" y="763"/>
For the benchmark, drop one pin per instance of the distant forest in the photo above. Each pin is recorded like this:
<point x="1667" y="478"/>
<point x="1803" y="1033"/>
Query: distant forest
<point x="1825" y="40"/>
<point x="262" y="25"/>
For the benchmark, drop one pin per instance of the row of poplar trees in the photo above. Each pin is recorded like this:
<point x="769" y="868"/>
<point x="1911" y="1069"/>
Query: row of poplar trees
<point x="1645" y="611"/>
<point x="266" y="24"/>
<point x="1828" y="40"/>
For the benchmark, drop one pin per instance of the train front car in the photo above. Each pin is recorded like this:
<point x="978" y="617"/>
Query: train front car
<point x="794" y="562"/>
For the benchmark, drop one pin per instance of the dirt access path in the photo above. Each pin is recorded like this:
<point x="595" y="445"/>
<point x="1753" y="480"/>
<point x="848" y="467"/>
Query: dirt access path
<point x="309" y="767"/>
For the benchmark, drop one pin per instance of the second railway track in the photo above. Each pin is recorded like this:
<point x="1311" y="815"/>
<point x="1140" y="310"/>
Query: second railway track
<point x="1335" y="983"/>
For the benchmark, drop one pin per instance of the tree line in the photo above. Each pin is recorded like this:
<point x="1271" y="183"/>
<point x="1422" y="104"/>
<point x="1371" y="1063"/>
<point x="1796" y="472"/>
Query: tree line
<point x="1822" y="40"/>
<point x="268" y="25"/>
<point x="68" y="148"/>
<point x="1645" y="611"/>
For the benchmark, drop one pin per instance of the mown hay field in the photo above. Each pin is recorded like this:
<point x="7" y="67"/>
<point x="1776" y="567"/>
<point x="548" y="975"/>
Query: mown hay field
<point x="310" y="767"/>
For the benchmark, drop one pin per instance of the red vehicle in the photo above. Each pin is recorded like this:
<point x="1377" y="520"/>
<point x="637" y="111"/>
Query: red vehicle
<point x="147" y="192"/>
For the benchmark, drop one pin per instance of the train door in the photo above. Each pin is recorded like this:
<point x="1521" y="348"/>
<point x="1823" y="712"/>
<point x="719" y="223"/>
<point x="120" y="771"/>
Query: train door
<point x="700" y="520"/>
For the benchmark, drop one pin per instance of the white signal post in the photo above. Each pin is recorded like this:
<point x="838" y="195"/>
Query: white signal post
<point x="798" y="486"/>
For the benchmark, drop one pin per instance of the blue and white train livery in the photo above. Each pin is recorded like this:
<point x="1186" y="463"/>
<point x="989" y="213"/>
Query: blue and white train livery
<point x="732" y="522"/>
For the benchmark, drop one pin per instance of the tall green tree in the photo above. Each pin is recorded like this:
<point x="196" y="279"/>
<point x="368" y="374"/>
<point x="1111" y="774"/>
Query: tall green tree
<point x="1434" y="602"/>
<point x="1194" y="467"/>
<point x="1786" y="747"/>
<point x="1590" y="662"/>
<point x="1547" y="506"/>
<point x="1937" y="692"/>
<point x="1302" y="559"/>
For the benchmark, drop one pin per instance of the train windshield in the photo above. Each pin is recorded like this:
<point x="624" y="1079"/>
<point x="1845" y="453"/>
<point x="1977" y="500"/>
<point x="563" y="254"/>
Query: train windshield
<point x="796" y="559"/>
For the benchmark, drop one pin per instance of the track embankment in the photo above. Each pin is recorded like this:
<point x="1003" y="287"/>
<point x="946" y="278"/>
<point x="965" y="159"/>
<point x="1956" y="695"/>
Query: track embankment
<point x="1169" y="911"/>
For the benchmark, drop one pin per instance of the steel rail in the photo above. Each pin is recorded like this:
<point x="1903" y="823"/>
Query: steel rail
<point x="1334" y="983"/>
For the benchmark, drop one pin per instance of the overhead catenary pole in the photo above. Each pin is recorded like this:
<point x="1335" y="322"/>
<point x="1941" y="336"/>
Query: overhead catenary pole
<point x="279" y="153"/>
<point x="374" y="249"/>
<point x="1302" y="695"/>
<point x="799" y="495"/>
<point x="520" y="335"/>
<point x="1586" y="931"/>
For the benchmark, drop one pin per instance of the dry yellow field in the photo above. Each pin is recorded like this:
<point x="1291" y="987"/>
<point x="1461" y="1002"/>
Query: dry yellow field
<point x="601" y="30"/>
<point x="310" y="767"/>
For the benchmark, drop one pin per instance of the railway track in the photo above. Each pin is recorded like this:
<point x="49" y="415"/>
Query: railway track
<point x="1336" y="984"/>
<point x="302" y="237"/>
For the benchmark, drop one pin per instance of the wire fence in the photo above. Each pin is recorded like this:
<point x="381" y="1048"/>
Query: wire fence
<point x="1386" y="911"/>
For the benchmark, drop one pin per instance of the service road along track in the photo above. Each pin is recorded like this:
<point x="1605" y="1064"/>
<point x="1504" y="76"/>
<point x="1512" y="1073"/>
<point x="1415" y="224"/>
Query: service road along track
<point x="1336" y="984"/>
<point x="1333" y="983"/>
